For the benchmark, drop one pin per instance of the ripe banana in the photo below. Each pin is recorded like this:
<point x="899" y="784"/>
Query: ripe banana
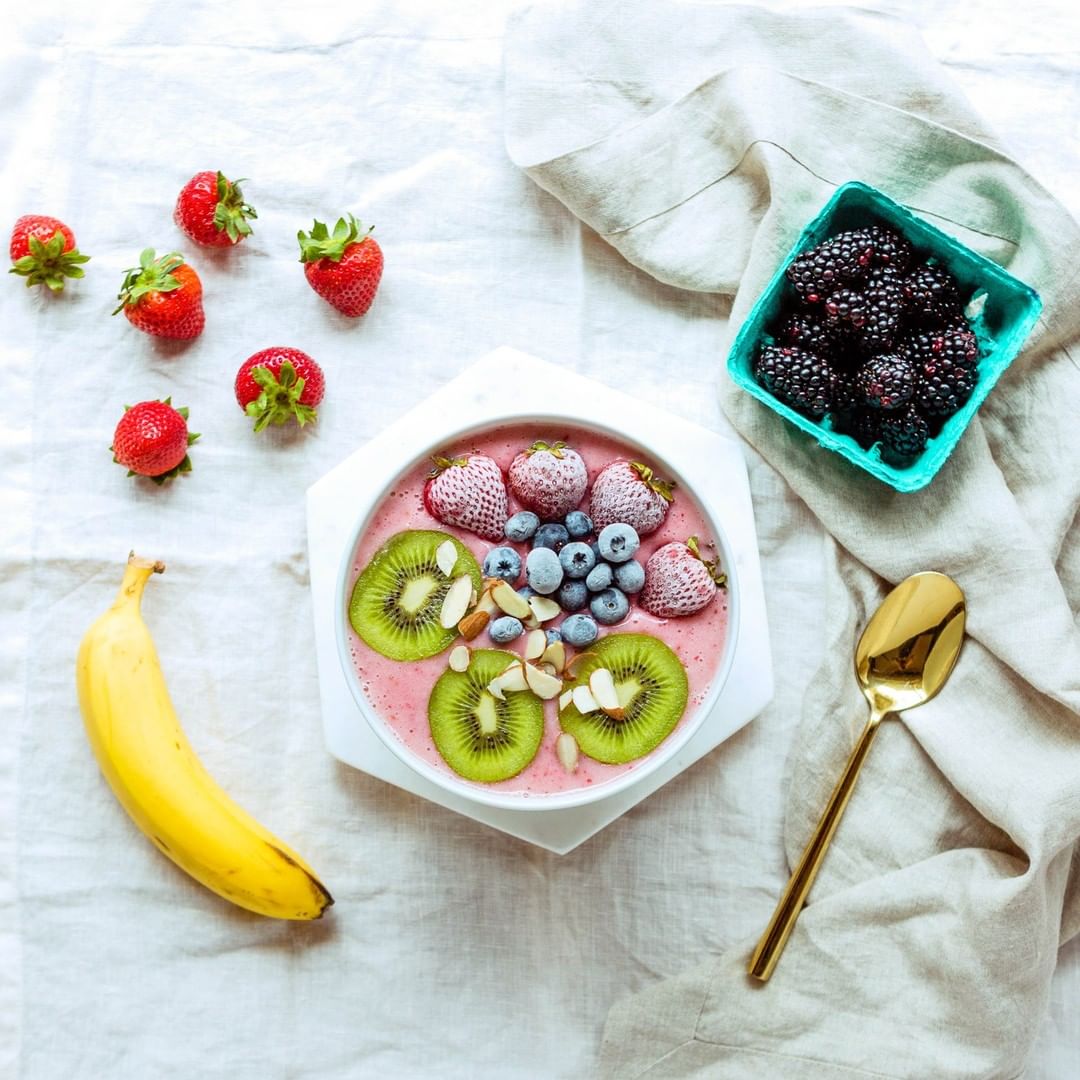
<point x="154" y="772"/>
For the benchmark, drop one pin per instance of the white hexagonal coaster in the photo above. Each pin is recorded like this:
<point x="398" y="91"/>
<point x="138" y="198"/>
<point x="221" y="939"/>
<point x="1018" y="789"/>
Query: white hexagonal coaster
<point x="470" y="400"/>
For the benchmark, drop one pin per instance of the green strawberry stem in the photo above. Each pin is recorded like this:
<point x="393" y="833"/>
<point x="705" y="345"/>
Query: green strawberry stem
<point x="320" y="243"/>
<point x="442" y="463"/>
<point x="48" y="263"/>
<point x="663" y="488"/>
<point x="555" y="449"/>
<point x="713" y="565"/>
<point x="231" y="213"/>
<point x="151" y="275"/>
<point x="279" y="399"/>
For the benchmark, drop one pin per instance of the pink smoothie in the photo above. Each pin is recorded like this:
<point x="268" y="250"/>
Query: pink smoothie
<point x="399" y="692"/>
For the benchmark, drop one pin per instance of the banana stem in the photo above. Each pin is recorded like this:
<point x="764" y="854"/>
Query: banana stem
<point x="136" y="574"/>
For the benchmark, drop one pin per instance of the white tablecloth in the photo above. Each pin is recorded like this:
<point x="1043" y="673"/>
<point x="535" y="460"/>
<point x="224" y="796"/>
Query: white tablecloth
<point x="453" y="950"/>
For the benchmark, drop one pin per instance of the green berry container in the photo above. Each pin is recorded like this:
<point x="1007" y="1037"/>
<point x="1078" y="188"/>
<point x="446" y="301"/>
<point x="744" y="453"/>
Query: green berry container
<point x="1000" y="309"/>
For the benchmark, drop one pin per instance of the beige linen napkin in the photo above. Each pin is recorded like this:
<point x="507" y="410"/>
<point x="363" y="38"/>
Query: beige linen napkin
<point x="698" y="140"/>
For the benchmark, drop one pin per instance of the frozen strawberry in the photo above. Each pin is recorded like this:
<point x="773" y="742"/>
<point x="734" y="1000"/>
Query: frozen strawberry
<point x="152" y="439"/>
<point x="550" y="479"/>
<point x="43" y="251"/>
<point x="468" y="491"/>
<point x="629" y="492"/>
<point x="678" y="581"/>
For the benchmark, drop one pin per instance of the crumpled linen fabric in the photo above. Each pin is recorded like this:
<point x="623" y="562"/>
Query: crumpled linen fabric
<point x="698" y="140"/>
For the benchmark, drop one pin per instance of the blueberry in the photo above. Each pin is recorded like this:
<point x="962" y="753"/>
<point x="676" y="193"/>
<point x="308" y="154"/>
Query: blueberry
<point x="525" y="592"/>
<point x="503" y="562"/>
<point x="578" y="524"/>
<point x="618" y="542"/>
<point x="579" y="631"/>
<point x="573" y="595"/>
<point x="577" y="559"/>
<point x="595" y="549"/>
<point x="543" y="570"/>
<point x="505" y="629"/>
<point x="553" y="636"/>
<point x="522" y="526"/>
<point x="599" y="578"/>
<point x="610" y="607"/>
<point x="630" y="576"/>
<point x="551" y="536"/>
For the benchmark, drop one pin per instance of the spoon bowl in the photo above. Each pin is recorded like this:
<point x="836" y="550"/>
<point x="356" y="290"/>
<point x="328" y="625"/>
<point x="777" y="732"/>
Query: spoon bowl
<point x="903" y="658"/>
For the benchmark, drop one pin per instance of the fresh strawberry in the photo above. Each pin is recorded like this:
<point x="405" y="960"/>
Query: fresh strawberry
<point x="549" y="479"/>
<point x="43" y="251"/>
<point x="280" y="384"/>
<point x="343" y="268"/>
<point x="678" y="581"/>
<point x="468" y="491"/>
<point x="629" y="492"/>
<point x="163" y="297"/>
<point x="152" y="439"/>
<point x="211" y="210"/>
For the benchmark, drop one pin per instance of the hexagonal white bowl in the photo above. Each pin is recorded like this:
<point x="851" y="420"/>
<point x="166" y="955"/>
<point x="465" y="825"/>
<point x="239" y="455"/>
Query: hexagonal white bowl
<point x="338" y="504"/>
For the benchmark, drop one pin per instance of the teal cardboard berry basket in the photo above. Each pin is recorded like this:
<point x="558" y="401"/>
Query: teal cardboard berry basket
<point x="1001" y="310"/>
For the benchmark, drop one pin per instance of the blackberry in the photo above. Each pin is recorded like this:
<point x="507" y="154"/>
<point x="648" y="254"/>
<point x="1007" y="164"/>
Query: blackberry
<point x="933" y="295"/>
<point x="946" y="390"/>
<point x="809" y="332"/>
<point x="890" y="248"/>
<point x="882" y="308"/>
<point x="846" y="395"/>
<point x="949" y="346"/>
<point x="886" y="382"/>
<point x="845" y="311"/>
<point x="903" y="434"/>
<point x="844" y="258"/>
<point x="801" y="379"/>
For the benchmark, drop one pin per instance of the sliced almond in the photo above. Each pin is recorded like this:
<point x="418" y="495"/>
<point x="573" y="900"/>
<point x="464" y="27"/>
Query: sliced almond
<point x="544" y="608"/>
<point x="566" y="750"/>
<point x="460" y="656"/>
<point x="555" y="654"/>
<point x="495" y="689"/>
<point x="565" y="698"/>
<point x="535" y="644"/>
<point x="473" y="624"/>
<point x="547" y="668"/>
<point x="473" y="597"/>
<point x="513" y="678"/>
<point x="575" y="664"/>
<point x="531" y="623"/>
<point x="602" y="686"/>
<point x="456" y="602"/>
<point x="485" y="603"/>
<point x="446" y="557"/>
<point x="510" y="601"/>
<point x="541" y="683"/>
<point x="584" y="702"/>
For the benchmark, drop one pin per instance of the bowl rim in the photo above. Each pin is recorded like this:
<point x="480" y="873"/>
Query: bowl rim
<point x="526" y="801"/>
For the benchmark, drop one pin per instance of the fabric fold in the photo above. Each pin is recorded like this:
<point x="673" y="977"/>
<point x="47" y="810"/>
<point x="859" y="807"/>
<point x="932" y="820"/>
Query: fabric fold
<point x="930" y="938"/>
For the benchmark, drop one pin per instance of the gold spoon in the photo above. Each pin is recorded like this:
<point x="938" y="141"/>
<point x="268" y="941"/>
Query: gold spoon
<point x="903" y="658"/>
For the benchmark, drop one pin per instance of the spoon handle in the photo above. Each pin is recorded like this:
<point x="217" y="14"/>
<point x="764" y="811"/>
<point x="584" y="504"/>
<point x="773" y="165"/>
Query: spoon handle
<point x="787" y="910"/>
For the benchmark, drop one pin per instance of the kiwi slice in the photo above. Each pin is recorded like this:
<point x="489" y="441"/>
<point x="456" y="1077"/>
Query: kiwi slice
<point x="653" y="690"/>
<point x="479" y="736"/>
<point x="397" y="600"/>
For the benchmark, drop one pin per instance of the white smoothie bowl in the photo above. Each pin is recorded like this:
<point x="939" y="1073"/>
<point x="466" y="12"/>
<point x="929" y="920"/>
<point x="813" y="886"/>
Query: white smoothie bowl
<point x="691" y="476"/>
